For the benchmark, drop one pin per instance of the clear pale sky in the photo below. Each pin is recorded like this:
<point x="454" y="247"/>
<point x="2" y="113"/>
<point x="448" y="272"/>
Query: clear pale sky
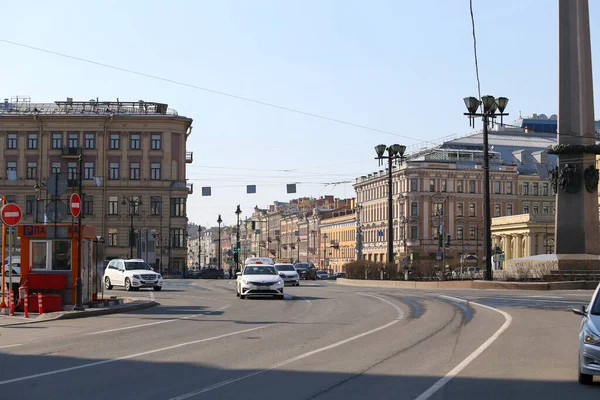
<point x="398" y="66"/>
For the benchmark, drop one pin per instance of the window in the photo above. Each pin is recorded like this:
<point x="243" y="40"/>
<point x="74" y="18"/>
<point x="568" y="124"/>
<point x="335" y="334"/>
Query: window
<point x="432" y="185"/>
<point x="535" y="189"/>
<point x="135" y="141"/>
<point x="55" y="167"/>
<point x="178" y="207"/>
<point x="155" y="141"/>
<point x="57" y="140"/>
<point x="471" y="233"/>
<point x="509" y="209"/>
<point x="414" y="209"/>
<point x="497" y="211"/>
<point x="472" y="210"/>
<point x="113" y="205"/>
<point x="414" y="185"/>
<point x="438" y="209"/>
<point x="525" y="209"/>
<point x="112" y="237"/>
<point x="497" y="187"/>
<point x="471" y="186"/>
<point x="29" y="204"/>
<point x="177" y="238"/>
<point x="460" y="210"/>
<point x="72" y="171"/>
<point x="133" y="205"/>
<point x="526" y="188"/>
<point x="11" y="198"/>
<point x="443" y="184"/>
<point x="544" y="189"/>
<point x="115" y="141"/>
<point x="32" y="141"/>
<point x="32" y="170"/>
<point x="113" y="170"/>
<point x="88" y="205"/>
<point x="509" y="188"/>
<point x="460" y="233"/>
<point x="536" y="209"/>
<point x="545" y="210"/>
<point x="414" y="232"/>
<point x="73" y="140"/>
<point x="134" y="171"/>
<point x="11" y="170"/>
<point x="90" y="141"/>
<point x="155" y="171"/>
<point x="88" y="170"/>
<point x="155" y="205"/>
<point x="54" y="255"/>
<point x="11" y="141"/>
<point x="459" y="186"/>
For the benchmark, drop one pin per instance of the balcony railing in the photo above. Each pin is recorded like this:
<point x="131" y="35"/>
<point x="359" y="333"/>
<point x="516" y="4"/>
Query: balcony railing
<point x="189" y="157"/>
<point x="71" y="151"/>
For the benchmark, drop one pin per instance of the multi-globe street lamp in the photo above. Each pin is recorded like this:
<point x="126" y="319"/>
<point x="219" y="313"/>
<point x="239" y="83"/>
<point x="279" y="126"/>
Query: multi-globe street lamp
<point x="219" y="221"/>
<point x="238" y="211"/>
<point x="394" y="152"/>
<point x="134" y="203"/>
<point x="491" y="108"/>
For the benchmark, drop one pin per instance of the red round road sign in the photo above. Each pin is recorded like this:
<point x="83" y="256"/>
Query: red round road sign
<point x="75" y="205"/>
<point x="11" y="214"/>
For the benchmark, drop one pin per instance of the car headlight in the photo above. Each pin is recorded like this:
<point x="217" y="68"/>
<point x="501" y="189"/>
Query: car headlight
<point x="158" y="276"/>
<point x="245" y="282"/>
<point x="589" y="337"/>
<point x="280" y="282"/>
<point x="136" y="277"/>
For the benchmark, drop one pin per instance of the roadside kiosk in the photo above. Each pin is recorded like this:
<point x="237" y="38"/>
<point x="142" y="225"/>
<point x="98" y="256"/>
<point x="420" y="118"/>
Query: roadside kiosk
<point x="50" y="262"/>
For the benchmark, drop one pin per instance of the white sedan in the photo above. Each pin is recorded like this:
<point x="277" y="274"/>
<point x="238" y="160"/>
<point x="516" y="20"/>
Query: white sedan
<point x="259" y="280"/>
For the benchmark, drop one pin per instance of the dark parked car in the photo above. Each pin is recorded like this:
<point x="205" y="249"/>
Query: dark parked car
<point x="337" y="275"/>
<point x="306" y="270"/>
<point x="211" y="273"/>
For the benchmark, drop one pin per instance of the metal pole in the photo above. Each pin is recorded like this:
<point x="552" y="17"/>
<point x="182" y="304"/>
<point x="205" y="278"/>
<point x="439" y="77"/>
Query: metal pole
<point x="487" y="212"/>
<point x="219" y="252"/>
<point x="2" y="303"/>
<point x="79" y="284"/>
<point x="199" y="246"/>
<point x="390" y="214"/>
<point x="237" y="244"/>
<point x="10" y="261"/>
<point x="131" y="235"/>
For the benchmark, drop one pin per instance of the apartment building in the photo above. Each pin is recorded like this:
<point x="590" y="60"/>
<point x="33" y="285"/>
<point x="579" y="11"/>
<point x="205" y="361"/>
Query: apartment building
<point x="130" y="156"/>
<point x="338" y="245"/>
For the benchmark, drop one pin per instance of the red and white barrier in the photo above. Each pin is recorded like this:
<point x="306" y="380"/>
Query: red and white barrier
<point x="11" y="302"/>
<point x="26" y="304"/>
<point x="40" y="310"/>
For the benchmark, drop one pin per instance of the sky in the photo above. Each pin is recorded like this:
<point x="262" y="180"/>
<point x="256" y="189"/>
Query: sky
<point x="397" y="66"/>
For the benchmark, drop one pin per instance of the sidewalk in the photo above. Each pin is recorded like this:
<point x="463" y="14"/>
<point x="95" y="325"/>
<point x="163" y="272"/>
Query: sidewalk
<point x="126" y="304"/>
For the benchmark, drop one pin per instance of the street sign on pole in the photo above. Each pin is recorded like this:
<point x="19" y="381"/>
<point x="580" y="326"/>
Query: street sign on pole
<point x="438" y="256"/>
<point x="75" y="205"/>
<point x="501" y="257"/>
<point x="11" y="214"/>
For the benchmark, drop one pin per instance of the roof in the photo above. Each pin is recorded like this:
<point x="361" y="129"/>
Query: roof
<point x="91" y="107"/>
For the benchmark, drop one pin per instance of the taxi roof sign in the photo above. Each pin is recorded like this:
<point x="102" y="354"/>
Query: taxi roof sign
<point x="259" y="260"/>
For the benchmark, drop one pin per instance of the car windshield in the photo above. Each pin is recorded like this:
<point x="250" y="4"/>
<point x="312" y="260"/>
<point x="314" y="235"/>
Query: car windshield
<point x="321" y="272"/>
<point x="596" y="306"/>
<point x="285" y="267"/>
<point x="301" y="266"/>
<point x="133" y="265"/>
<point x="259" y="270"/>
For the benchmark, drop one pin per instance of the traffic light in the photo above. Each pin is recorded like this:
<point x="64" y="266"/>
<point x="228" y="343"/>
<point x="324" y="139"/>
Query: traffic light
<point x="440" y="241"/>
<point x="447" y="240"/>
<point x="236" y="258"/>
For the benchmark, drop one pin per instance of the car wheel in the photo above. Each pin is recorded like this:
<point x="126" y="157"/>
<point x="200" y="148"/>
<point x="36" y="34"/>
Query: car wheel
<point x="157" y="288"/>
<point x="242" y="296"/>
<point x="297" y="283"/>
<point x="135" y="289"/>
<point x="127" y="284"/>
<point x="585" y="379"/>
<point x="237" y="294"/>
<point x="107" y="284"/>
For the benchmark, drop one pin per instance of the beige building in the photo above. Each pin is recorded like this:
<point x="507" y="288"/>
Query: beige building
<point x="523" y="235"/>
<point x="338" y="231"/>
<point x="132" y="157"/>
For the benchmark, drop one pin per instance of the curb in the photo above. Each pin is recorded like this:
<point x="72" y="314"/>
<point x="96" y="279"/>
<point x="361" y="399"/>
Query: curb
<point x="485" y="285"/>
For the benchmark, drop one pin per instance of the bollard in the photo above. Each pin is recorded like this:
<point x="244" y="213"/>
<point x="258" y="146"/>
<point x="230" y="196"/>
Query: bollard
<point x="11" y="300"/>
<point x="26" y="304"/>
<point x="40" y="303"/>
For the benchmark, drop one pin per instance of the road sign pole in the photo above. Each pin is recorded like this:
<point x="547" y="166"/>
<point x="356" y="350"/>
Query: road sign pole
<point x="10" y="282"/>
<point x="2" y="303"/>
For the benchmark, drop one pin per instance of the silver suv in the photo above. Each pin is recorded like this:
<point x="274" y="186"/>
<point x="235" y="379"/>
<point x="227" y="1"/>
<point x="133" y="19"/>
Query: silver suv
<point x="131" y="274"/>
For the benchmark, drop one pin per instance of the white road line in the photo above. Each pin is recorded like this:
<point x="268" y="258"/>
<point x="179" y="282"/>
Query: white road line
<point x="300" y="357"/>
<point x="456" y="370"/>
<point x="153" y="323"/>
<point x="10" y="345"/>
<point x="112" y="360"/>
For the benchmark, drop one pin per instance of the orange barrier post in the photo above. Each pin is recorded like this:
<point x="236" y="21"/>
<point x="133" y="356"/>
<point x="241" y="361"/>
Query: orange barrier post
<point x="40" y="303"/>
<point x="26" y="304"/>
<point x="2" y="303"/>
<point x="11" y="302"/>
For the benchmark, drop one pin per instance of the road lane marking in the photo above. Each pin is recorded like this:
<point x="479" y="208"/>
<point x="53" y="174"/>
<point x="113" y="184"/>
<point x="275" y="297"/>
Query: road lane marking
<point x="10" y="345"/>
<point x="456" y="370"/>
<point x="112" y="360"/>
<point x="153" y="323"/>
<point x="300" y="357"/>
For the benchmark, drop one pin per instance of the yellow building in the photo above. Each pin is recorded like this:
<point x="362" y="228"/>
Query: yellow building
<point x="338" y="238"/>
<point x="523" y="235"/>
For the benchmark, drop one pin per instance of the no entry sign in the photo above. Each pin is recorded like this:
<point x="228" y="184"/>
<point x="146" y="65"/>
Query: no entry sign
<point x="11" y="214"/>
<point x="75" y="205"/>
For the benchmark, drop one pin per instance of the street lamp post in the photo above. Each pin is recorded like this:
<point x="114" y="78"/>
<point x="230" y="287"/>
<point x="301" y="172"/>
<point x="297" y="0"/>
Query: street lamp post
<point x="490" y="107"/>
<point x="238" y="211"/>
<point x="324" y="250"/>
<point x="298" y="247"/>
<point x="199" y="247"/>
<point x="97" y="240"/>
<point x="395" y="152"/>
<point x="219" y="221"/>
<point x="134" y="203"/>
<point x="79" y="281"/>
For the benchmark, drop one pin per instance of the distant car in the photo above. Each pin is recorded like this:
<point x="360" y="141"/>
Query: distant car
<point x="589" y="340"/>
<point x="16" y="276"/>
<point x="306" y="270"/>
<point x="259" y="280"/>
<point x="288" y="273"/>
<point x="211" y="273"/>
<point x="131" y="274"/>
<point x="336" y="275"/>
<point x="322" y="274"/>
<point x="16" y="269"/>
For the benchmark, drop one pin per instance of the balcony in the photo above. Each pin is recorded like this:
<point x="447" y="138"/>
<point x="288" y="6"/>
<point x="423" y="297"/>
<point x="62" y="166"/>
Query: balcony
<point x="190" y="187"/>
<point x="189" y="157"/>
<point x="71" y="152"/>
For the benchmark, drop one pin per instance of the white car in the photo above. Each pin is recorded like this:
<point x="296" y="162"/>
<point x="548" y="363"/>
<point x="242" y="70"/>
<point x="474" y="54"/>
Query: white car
<point x="132" y="275"/>
<point x="259" y="280"/>
<point x="589" y="340"/>
<point x="288" y="273"/>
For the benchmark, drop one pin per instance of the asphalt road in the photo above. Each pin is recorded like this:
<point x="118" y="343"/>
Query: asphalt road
<point x="324" y="341"/>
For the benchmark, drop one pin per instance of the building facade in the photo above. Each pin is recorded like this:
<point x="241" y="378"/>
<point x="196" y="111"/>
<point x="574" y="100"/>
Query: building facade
<point x="131" y="158"/>
<point x="338" y="245"/>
